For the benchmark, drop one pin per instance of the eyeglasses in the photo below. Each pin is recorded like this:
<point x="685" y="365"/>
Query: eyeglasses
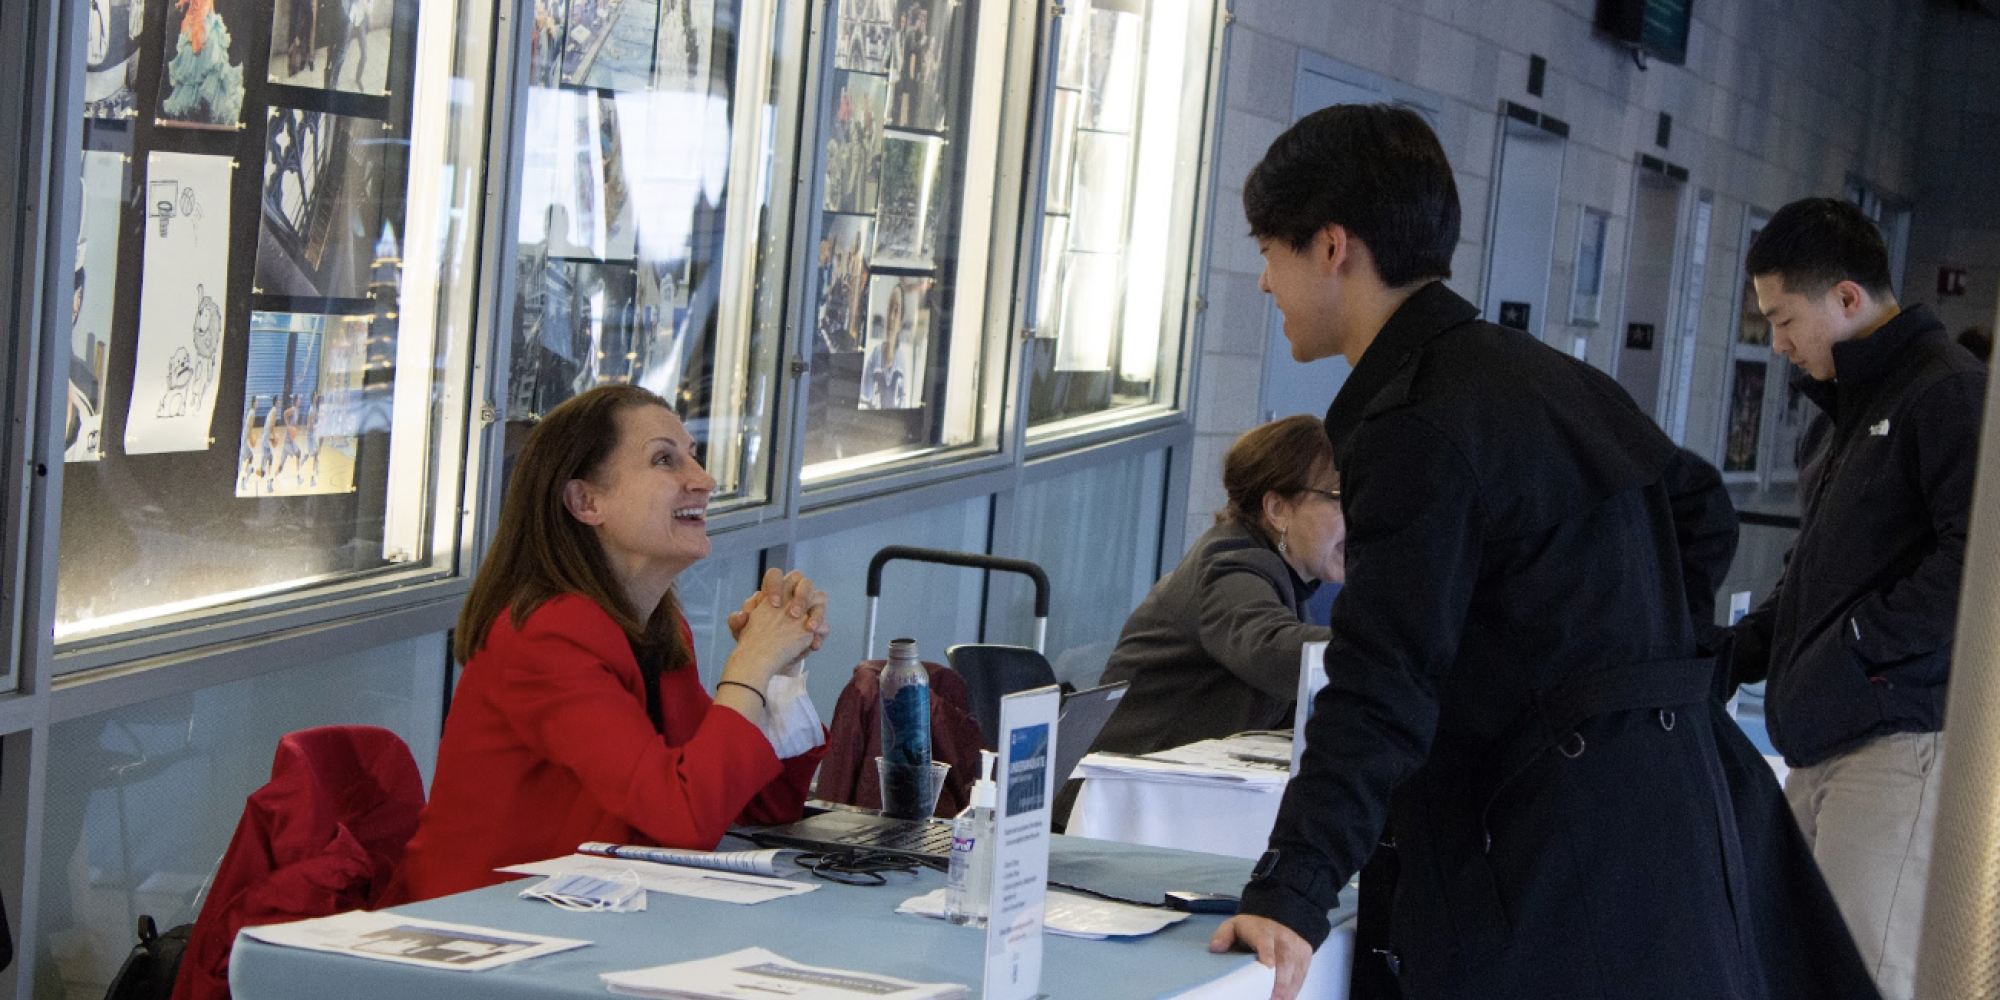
<point x="1333" y="495"/>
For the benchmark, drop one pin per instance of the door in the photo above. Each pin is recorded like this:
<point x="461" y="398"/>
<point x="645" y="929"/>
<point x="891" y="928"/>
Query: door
<point x="1649" y="284"/>
<point x="1528" y="177"/>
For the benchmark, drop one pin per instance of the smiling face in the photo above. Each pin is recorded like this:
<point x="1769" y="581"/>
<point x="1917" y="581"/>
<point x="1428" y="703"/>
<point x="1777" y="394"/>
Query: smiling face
<point x="1298" y="282"/>
<point x="648" y="500"/>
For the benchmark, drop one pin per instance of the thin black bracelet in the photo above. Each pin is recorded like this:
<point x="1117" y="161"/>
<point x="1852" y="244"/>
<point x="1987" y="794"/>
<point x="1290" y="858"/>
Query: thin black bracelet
<point x="746" y="687"/>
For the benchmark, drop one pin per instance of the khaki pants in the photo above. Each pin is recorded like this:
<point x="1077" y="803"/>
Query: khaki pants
<point x="1868" y="816"/>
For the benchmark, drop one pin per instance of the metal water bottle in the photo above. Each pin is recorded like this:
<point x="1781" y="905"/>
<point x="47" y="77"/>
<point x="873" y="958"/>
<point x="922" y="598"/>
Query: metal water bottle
<point x="906" y="733"/>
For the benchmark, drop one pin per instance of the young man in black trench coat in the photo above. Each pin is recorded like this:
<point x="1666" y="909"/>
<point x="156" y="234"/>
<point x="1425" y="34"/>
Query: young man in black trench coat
<point x="1518" y="703"/>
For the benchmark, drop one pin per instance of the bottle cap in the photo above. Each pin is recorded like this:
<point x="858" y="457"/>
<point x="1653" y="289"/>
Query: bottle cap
<point x="984" y="792"/>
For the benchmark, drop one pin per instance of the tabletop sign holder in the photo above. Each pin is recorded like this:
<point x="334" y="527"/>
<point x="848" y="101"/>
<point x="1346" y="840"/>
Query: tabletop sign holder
<point x="1021" y="844"/>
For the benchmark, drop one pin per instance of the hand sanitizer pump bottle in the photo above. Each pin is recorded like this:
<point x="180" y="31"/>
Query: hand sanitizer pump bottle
<point x="969" y="885"/>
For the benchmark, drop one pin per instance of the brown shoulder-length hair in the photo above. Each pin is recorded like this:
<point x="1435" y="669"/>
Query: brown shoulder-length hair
<point x="541" y="552"/>
<point x="1280" y="457"/>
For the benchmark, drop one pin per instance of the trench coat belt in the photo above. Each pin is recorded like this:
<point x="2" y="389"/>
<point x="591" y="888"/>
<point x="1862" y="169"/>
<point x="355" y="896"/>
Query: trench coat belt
<point x="1552" y="718"/>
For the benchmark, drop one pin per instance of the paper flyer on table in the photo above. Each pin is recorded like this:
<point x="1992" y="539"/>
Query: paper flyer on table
<point x="183" y="297"/>
<point x="758" y="974"/>
<point x="1071" y="915"/>
<point x="388" y="937"/>
<point x="725" y="887"/>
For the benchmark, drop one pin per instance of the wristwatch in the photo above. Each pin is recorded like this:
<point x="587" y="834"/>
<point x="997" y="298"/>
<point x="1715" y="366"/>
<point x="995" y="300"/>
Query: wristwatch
<point x="1266" y="864"/>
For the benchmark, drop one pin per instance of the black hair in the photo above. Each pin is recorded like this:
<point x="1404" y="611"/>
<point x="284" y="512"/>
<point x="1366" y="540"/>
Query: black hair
<point x="1375" y="170"/>
<point x="1816" y="243"/>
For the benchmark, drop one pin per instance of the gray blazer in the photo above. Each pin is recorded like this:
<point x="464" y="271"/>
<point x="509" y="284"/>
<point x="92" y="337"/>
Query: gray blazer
<point x="1213" y="649"/>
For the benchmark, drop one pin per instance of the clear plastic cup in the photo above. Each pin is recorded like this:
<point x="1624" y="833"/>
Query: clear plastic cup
<point x="910" y="791"/>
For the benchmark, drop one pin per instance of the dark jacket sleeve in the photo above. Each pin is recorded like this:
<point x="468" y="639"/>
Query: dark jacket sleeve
<point x="1705" y="526"/>
<point x="1914" y="613"/>
<point x="1247" y="625"/>
<point x="1413" y="545"/>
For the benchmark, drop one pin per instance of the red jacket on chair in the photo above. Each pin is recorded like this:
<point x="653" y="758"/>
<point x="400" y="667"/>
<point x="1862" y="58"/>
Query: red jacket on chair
<point x="321" y="837"/>
<point x="855" y="740"/>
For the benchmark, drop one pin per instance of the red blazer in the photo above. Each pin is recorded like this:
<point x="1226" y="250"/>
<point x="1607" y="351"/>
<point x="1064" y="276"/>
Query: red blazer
<point x="548" y="746"/>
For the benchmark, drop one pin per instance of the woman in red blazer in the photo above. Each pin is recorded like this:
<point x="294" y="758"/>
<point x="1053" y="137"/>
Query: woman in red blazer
<point x="580" y="716"/>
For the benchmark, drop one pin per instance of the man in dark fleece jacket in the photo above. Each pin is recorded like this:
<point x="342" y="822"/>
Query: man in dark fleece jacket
<point x="1856" y="639"/>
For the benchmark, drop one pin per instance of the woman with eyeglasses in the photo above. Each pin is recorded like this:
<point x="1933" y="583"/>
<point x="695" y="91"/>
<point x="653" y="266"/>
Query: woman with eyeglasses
<point x="1214" y="648"/>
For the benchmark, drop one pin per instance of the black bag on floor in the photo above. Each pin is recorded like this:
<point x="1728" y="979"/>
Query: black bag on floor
<point x="148" y="973"/>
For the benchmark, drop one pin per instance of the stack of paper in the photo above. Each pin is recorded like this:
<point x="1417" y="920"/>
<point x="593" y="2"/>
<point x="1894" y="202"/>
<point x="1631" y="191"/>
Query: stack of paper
<point x="680" y="880"/>
<point x="1259" y="762"/>
<point x="757" y="974"/>
<point x="1071" y="915"/>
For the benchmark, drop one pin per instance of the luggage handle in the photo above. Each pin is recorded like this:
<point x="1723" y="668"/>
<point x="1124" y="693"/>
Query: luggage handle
<point x="946" y="557"/>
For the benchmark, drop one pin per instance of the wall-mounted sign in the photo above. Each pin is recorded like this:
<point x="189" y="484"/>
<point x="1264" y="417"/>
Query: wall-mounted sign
<point x="1951" y="281"/>
<point x="1514" y="314"/>
<point x="1638" y="336"/>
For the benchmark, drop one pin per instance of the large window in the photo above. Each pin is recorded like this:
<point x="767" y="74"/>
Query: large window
<point x="1124" y="140"/>
<point x="643" y="208"/>
<point x="901" y="244"/>
<point x="273" y="303"/>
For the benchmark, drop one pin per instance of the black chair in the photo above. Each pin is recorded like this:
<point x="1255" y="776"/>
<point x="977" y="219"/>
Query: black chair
<point x="993" y="672"/>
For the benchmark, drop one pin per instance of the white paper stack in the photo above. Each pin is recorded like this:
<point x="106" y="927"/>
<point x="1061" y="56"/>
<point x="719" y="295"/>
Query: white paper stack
<point x="1259" y="762"/>
<point x="1071" y="915"/>
<point x="758" y="974"/>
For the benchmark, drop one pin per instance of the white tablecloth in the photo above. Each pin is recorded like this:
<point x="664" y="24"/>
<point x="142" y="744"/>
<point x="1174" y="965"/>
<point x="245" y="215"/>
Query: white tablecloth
<point x="1216" y="819"/>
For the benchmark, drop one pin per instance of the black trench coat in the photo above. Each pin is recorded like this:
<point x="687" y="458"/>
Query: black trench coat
<point x="1519" y="703"/>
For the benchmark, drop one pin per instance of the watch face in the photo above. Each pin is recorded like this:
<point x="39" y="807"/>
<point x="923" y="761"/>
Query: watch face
<point x="1265" y="863"/>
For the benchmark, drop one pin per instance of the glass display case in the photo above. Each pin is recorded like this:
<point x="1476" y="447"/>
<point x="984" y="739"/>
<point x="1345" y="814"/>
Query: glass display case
<point x="644" y="202"/>
<point x="279" y="224"/>
<point x="1123" y="144"/>
<point x="900" y="245"/>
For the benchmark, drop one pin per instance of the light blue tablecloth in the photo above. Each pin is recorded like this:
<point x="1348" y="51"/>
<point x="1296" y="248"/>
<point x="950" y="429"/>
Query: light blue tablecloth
<point x="839" y="926"/>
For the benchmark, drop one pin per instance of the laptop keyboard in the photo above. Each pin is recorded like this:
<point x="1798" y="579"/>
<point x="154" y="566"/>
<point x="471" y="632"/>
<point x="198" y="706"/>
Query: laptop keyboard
<point x="919" y="838"/>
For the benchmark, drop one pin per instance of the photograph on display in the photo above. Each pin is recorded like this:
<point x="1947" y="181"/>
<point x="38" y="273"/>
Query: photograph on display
<point x="1111" y="71"/>
<point x="585" y="323"/>
<point x="865" y="36"/>
<point x="899" y="327"/>
<point x="1074" y="55"/>
<point x="917" y="88"/>
<point x="183" y="291"/>
<point x="332" y="44"/>
<point x="635" y="45"/>
<point x="621" y="221"/>
<point x="1048" y="301"/>
<point x="90" y="307"/>
<point x="112" y="32"/>
<point x="332" y="212"/>
<point x="844" y="248"/>
<point x="201" y="80"/>
<point x="854" y="143"/>
<point x="1746" y="417"/>
<point x="684" y="46"/>
<point x="303" y="401"/>
<point x="572" y="166"/>
<point x="1062" y="149"/>
<point x="906" y="224"/>
<point x="545" y="42"/>
<point x="1091" y="291"/>
<point x="1752" y="329"/>
<point x="1788" y="425"/>
<point x="1103" y="187"/>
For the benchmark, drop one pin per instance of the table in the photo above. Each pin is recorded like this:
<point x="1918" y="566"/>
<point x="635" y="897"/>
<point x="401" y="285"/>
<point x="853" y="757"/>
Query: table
<point x="1217" y="819"/>
<point x="839" y="926"/>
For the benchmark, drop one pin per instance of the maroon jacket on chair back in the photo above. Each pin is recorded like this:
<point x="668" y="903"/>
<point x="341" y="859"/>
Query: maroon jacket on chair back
<point x="321" y="837"/>
<point x="855" y="740"/>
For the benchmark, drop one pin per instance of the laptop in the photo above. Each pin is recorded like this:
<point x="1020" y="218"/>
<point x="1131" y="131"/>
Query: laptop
<point x="843" y="828"/>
